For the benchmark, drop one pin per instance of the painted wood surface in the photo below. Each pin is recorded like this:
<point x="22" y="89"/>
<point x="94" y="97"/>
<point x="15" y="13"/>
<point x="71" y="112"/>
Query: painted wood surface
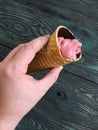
<point x="72" y="103"/>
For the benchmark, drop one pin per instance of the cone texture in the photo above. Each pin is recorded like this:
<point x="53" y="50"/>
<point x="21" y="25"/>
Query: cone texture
<point x="50" y="56"/>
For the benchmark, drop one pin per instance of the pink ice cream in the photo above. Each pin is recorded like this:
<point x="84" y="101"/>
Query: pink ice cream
<point x="69" y="47"/>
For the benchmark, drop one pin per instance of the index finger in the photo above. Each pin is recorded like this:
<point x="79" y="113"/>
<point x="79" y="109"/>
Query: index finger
<point x="27" y="52"/>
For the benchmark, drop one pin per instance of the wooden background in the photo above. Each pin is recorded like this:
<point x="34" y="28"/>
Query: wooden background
<point x="72" y="103"/>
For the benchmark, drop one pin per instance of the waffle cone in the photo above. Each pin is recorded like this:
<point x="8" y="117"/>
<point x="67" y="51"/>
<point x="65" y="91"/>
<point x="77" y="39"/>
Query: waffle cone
<point x="50" y="56"/>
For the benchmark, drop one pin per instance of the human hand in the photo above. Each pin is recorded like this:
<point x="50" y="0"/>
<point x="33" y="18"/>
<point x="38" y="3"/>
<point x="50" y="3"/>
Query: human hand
<point x="20" y="92"/>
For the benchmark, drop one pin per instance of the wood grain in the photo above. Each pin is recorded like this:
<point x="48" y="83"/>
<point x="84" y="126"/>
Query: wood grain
<point x="72" y="103"/>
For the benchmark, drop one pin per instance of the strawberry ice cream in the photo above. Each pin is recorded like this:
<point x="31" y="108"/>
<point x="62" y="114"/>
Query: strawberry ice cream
<point x="69" y="48"/>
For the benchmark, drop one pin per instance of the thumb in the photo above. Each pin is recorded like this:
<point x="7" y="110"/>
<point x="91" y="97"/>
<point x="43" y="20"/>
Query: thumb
<point x="50" y="78"/>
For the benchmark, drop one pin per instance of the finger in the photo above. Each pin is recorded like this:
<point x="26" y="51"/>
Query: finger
<point x="50" y="78"/>
<point x="13" y="52"/>
<point x="27" y="52"/>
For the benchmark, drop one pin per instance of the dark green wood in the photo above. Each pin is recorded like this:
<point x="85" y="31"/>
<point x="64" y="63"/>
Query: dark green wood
<point x="72" y="103"/>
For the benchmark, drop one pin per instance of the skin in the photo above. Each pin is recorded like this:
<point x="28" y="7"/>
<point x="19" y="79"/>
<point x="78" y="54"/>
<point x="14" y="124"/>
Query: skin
<point x="20" y="92"/>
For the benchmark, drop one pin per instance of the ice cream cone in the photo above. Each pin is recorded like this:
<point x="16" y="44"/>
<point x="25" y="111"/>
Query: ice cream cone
<point x="50" y="56"/>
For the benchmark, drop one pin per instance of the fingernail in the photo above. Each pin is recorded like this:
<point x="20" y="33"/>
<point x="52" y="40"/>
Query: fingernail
<point x="61" y="67"/>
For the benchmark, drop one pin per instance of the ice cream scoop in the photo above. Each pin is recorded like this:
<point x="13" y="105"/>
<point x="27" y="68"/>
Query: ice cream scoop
<point x="69" y="48"/>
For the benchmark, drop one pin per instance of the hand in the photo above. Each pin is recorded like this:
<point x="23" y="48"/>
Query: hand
<point x="20" y="92"/>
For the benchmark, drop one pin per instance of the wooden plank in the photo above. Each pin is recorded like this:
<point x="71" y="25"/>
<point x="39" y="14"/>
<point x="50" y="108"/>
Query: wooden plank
<point x="21" y="21"/>
<point x="71" y="104"/>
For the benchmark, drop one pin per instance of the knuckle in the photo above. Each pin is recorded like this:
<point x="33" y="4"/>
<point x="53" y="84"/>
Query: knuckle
<point x="9" y="70"/>
<point x="30" y="46"/>
<point x="20" y="45"/>
<point x="27" y="46"/>
<point x="6" y="71"/>
<point x="24" y="46"/>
